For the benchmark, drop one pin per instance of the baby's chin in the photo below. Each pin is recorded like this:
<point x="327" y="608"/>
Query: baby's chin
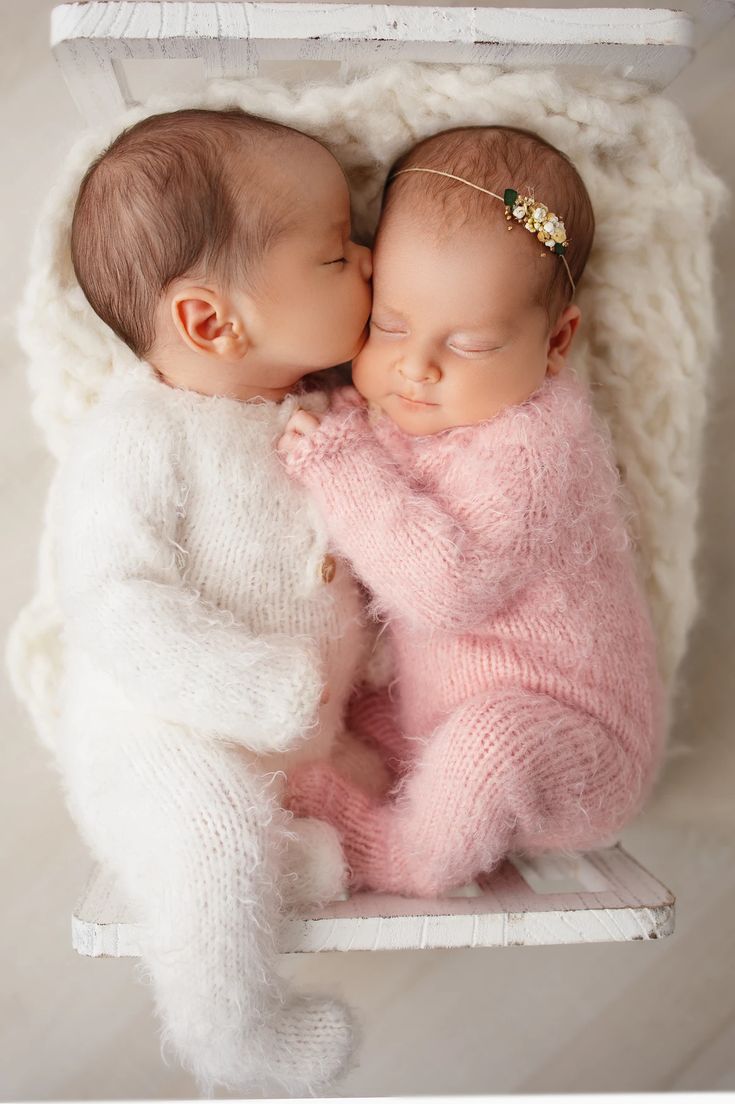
<point x="413" y="420"/>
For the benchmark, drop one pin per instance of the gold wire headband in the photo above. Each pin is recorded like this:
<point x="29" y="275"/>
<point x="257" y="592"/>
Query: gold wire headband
<point x="536" y="217"/>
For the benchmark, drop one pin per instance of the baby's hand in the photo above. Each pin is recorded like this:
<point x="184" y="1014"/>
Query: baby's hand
<point x="301" y="424"/>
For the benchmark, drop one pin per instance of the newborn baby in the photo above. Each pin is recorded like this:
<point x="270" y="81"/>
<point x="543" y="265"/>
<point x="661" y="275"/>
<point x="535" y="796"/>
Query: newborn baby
<point x="475" y="493"/>
<point x="209" y="627"/>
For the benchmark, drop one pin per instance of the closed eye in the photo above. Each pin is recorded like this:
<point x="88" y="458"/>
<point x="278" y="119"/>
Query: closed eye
<point x="384" y="329"/>
<point x="479" y="350"/>
<point x="339" y="260"/>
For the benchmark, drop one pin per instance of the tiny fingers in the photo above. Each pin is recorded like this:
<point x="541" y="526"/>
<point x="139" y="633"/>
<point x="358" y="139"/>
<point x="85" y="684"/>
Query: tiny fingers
<point x="289" y="442"/>
<point x="302" y="422"/>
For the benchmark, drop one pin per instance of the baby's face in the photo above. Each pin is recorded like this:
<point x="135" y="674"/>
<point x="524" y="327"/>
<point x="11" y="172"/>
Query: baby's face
<point x="306" y="310"/>
<point x="314" y="293"/>
<point x="453" y="338"/>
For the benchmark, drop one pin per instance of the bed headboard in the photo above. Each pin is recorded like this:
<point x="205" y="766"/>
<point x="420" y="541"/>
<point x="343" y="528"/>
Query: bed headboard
<point x="115" y="53"/>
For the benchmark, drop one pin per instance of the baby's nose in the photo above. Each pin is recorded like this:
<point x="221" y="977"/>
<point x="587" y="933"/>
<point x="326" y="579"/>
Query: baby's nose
<point x="418" y="370"/>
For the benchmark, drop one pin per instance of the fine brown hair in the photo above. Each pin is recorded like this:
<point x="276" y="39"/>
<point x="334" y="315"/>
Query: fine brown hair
<point x="496" y="158"/>
<point x="162" y="202"/>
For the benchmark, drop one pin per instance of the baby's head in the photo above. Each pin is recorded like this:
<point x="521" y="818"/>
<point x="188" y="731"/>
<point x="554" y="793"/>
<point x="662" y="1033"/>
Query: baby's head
<point x="217" y="245"/>
<point x="468" y="317"/>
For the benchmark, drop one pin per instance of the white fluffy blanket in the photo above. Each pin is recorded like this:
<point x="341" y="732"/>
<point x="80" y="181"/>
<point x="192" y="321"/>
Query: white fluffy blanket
<point x="648" y="332"/>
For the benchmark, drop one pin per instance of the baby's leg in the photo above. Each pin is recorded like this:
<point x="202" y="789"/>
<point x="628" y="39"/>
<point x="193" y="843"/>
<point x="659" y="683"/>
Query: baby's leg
<point x="313" y="868"/>
<point x="190" y="830"/>
<point x="362" y="761"/>
<point x="509" y="771"/>
<point x="372" y="715"/>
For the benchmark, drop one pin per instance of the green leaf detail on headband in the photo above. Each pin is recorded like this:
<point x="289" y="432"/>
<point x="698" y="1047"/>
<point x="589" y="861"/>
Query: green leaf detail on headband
<point x="527" y="210"/>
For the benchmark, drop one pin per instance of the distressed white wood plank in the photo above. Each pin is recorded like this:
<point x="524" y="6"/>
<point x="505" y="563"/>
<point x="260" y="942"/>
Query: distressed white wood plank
<point x="91" y="77"/>
<point x="501" y="910"/>
<point x="235" y="39"/>
<point x="361" y="23"/>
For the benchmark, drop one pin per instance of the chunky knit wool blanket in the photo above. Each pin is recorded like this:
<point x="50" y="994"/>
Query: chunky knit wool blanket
<point x="649" y="328"/>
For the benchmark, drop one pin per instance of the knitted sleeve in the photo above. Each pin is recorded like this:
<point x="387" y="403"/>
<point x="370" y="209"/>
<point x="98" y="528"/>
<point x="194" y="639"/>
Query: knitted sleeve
<point x="126" y="603"/>
<point x="424" y="558"/>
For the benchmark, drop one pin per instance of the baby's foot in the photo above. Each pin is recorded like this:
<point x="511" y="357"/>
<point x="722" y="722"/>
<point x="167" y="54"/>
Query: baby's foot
<point x="314" y="1039"/>
<point x="372" y="715"/>
<point x="302" y="1050"/>
<point x="316" y="789"/>
<point x="362" y="762"/>
<point x="314" y="868"/>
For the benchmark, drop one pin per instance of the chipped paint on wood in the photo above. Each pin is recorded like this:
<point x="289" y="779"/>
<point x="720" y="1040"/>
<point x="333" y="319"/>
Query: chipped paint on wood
<point x="94" y="42"/>
<point x="500" y="910"/>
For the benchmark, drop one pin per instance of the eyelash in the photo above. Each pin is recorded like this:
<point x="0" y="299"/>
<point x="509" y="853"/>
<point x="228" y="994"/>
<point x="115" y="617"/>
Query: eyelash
<point x="474" y="352"/>
<point x="340" y="260"/>
<point x="459" y="352"/>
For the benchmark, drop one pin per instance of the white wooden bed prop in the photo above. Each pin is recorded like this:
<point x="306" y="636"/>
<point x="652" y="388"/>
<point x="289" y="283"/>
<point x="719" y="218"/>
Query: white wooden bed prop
<point x="105" y="50"/>
<point x="115" y="54"/>
<point x="603" y="896"/>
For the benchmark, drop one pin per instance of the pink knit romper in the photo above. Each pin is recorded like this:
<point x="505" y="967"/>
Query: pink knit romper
<point x="527" y="713"/>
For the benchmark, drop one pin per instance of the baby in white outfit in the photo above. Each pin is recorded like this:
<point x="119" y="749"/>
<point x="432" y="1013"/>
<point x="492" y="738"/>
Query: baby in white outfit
<point x="209" y="629"/>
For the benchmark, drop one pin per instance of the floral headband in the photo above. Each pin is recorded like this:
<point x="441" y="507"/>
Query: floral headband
<point x="536" y="217"/>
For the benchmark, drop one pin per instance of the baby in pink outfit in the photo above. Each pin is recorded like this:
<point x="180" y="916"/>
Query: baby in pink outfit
<point x="476" y="495"/>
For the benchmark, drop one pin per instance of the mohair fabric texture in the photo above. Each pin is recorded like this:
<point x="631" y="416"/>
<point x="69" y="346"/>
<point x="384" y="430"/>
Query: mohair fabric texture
<point x="645" y="345"/>
<point x="649" y="329"/>
<point x="527" y="694"/>
<point x="200" y="633"/>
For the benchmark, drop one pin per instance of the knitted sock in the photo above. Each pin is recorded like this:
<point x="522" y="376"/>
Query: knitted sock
<point x="362" y="821"/>
<point x="305" y="1048"/>
<point x="312" y="1042"/>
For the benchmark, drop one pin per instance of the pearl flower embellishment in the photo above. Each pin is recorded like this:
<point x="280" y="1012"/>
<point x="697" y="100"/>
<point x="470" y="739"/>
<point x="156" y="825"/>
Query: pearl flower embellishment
<point x="537" y="219"/>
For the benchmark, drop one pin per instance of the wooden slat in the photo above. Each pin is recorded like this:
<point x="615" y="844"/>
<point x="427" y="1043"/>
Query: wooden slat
<point x="93" y="42"/>
<point x="603" y="896"/>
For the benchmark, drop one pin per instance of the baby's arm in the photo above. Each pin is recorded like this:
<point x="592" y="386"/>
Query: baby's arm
<point x="407" y="545"/>
<point x="126" y="602"/>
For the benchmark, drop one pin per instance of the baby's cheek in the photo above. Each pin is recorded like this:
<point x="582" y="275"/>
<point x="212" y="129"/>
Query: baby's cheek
<point x="366" y="371"/>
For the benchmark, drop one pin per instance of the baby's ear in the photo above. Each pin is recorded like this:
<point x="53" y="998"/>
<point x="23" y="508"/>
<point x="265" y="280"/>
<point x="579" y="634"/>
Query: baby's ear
<point x="207" y="323"/>
<point x="561" y="338"/>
